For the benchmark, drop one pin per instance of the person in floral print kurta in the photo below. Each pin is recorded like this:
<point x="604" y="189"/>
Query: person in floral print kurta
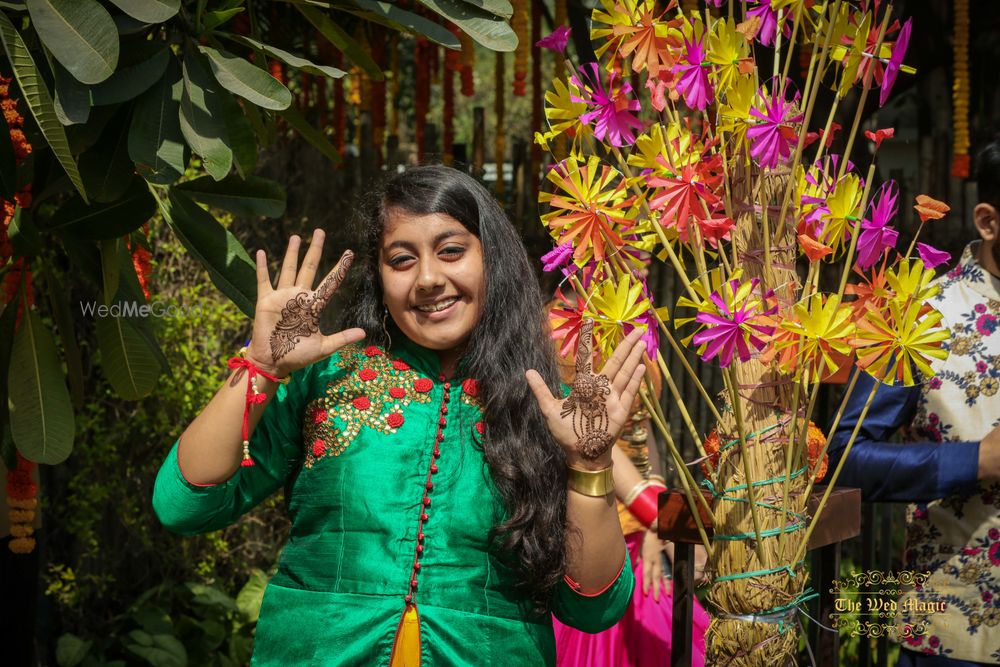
<point x="947" y="466"/>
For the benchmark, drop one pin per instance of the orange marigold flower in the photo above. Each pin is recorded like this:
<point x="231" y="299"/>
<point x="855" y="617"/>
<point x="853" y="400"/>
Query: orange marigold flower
<point x="22" y="545"/>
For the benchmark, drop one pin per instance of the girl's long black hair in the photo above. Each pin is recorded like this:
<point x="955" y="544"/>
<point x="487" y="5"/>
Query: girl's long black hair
<point x="526" y="464"/>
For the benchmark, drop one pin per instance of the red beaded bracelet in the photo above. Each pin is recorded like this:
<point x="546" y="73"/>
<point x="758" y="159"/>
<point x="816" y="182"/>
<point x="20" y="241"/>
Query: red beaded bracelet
<point x="254" y="397"/>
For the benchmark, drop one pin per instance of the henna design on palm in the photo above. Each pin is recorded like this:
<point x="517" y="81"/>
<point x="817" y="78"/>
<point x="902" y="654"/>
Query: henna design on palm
<point x="300" y="316"/>
<point x="587" y="401"/>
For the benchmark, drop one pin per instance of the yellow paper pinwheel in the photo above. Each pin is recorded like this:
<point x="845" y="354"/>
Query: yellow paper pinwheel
<point x="589" y="207"/>
<point x="562" y="112"/>
<point x="822" y="332"/>
<point x="844" y="209"/>
<point x="910" y="280"/>
<point x="734" y="113"/>
<point x="612" y="306"/>
<point x="906" y="337"/>
<point x="727" y="49"/>
<point x="635" y="29"/>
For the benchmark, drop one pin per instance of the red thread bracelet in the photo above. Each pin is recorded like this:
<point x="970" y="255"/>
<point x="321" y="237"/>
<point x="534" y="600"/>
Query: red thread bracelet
<point x="644" y="507"/>
<point x="254" y="397"/>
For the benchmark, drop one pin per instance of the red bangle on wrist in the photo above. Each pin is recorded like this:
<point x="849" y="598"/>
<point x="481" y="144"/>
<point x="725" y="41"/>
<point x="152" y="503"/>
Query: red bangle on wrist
<point x="644" y="507"/>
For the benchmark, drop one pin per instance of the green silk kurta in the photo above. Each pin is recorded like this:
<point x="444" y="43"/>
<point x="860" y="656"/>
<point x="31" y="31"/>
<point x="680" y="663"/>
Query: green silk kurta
<point x="352" y="440"/>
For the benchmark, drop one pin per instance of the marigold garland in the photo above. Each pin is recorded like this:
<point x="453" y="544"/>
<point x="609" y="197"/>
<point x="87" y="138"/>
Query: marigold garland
<point x="22" y="500"/>
<point x="22" y="199"/>
<point x="960" y="92"/>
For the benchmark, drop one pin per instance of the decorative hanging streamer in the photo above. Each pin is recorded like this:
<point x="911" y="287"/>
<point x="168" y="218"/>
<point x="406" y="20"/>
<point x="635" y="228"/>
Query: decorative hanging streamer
<point x="394" y="87"/>
<point x="140" y="259"/>
<point x="468" y="63"/>
<point x="960" y="92"/>
<point x="500" y="147"/>
<point x="339" y="108"/>
<point x="422" y="94"/>
<point x="560" y="18"/>
<point x="537" y="111"/>
<point x="519" y="23"/>
<point x="22" y="500"/>
<point x="22" y="199"/>
<point x="378" y="41"/>
<point x="277" y="71"/>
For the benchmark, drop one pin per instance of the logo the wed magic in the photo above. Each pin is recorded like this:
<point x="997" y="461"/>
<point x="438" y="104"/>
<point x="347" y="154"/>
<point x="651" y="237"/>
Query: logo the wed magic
<point x="868" y="604"/>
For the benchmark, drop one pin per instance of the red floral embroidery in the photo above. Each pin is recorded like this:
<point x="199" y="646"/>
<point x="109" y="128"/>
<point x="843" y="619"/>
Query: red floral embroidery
<point x="372" y="393"/>
<point x="480" y="428"/>
<point x="471" y="387"/>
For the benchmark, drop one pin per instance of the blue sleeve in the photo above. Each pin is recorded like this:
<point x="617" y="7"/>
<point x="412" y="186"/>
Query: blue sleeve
<point x="898" y="472"/>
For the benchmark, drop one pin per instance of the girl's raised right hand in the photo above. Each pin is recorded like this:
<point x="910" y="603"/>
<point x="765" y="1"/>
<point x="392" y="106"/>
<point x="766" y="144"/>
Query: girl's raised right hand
<point x="286" y="335"/>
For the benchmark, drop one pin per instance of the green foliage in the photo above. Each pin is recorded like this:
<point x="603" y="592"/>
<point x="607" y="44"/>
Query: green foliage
<point x="121" y="94"/>
<point x="108" y="547"/>
<point x="175" y="625"/>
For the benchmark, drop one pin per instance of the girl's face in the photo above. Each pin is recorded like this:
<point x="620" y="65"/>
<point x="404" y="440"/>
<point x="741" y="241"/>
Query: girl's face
<point x="432" y="279"/>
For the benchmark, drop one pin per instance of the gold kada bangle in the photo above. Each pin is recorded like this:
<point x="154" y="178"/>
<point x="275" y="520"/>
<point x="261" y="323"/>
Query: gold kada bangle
<point x="594" y="483"/>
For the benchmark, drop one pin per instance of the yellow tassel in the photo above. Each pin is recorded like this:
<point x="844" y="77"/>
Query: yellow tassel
<point x="406" y="649"/>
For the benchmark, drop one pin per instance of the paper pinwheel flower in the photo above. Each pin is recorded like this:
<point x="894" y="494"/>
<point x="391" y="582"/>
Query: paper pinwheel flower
<point x="876" y="236"/>
<point x="851" y="53"/>
<point x="636" y="30"/>
<point x="878" y="136"/>
<point x="732" y="321"/>
<point x="775" y="133"/>
<point x="910" y="280"/>
<point x="681" y="198"/>
<point x="589" y="207"/>
<point x="728" y="52"/>
<point x="612" y="112"/>
<point x="556" y="40"/>
<point x="895" y="62"/>
<point x="822" y="331"/>
<point x="768" y="17"/>
<point x="691" y="78"/>
<point x="894" y="343"/>
<point x="929" y="208"/>
<point x="932" y="257"/>
<point x="558" y="257"/>
<point x="565" y="321"/>
<point x="843" y="209"/>
<point x="734" y="112"/>
<point x="615" y="309"/>
<point x="562" y="112"/>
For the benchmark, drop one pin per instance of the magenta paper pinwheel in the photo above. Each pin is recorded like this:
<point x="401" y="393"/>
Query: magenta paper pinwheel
<point x="895" y="62"/>
<point x="733" y="321"/>
<point x="612" y="111"/>
<point x="556" y="40"/>
<point x="876" y="236"/>
<point x="691" y="77"/>
<point x="775" y="133"/>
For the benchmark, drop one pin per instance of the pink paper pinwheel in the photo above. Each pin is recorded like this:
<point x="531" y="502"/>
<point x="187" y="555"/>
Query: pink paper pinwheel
<point x="772" y="138"/>
<point x="735" y="324"/>
<point x="691" y="77"/>
<point x="895" y="61"/>
<point x="558" y="257"/>
<point x="876" y="236"/>
<point x="612" y="112"/>
<point x="932" y="256"/>
<point x="556" y="40"/>
<point x="768" y="21"/>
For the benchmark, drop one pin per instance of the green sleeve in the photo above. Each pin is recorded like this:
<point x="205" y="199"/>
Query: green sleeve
<point x="595" y="613"/>
<point x="275" y="446"/>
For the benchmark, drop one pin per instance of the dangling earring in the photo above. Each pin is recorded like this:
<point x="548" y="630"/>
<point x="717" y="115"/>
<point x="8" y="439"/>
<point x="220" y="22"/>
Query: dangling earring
<point x="385" y="330"/>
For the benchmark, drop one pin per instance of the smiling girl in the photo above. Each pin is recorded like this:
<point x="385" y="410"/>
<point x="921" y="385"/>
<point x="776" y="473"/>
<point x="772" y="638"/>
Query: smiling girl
<point x="443" y="494"/>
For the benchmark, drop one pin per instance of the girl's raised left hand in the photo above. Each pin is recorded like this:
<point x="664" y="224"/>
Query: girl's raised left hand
<point x="587" y="422"/>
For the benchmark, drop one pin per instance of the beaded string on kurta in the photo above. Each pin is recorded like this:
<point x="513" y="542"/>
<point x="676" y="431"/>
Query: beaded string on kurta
<point x="428" y="487"/>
